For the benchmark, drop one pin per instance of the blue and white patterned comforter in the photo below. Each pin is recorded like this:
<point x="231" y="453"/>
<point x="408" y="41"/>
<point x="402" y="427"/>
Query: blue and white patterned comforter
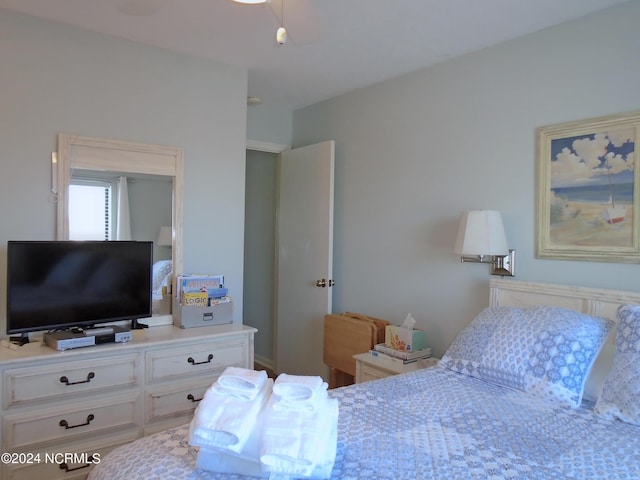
<point x="430" y="424"/>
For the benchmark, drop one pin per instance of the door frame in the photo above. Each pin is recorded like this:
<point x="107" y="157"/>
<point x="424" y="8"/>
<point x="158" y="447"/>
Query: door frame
<point x="259" y="146"/>
<point x="276" y="148"/>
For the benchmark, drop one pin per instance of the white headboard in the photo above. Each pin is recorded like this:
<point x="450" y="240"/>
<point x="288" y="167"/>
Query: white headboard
<point x="596" y="302"/>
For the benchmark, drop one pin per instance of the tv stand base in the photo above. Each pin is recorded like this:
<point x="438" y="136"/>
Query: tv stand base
<point x="20" y="340"/>
<point x="136" y="325"/>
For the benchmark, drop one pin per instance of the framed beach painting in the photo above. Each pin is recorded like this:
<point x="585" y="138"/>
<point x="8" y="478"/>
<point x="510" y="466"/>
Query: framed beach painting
<point x="589" y="190"/>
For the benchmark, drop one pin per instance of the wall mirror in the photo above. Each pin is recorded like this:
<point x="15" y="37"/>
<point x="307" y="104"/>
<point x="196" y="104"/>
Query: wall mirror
<point x="104" y="158"/>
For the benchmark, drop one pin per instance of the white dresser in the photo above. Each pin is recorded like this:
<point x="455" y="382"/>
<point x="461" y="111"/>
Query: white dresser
<point x="61" y="411"/>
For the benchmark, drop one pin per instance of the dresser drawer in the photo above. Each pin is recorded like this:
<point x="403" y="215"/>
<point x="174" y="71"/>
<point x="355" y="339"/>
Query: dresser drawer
<point x="68" y="379"/>
<point x="55" y="425"/>
<point x="72" y="462"/>
<point x="176" y="400"/>
<point x="172" y="363"/>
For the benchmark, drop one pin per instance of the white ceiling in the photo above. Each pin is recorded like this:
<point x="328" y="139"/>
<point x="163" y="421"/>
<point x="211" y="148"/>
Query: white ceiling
<point x="334" y="46"/>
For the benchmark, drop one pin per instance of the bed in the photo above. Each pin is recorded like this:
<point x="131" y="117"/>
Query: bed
<point x="479" y="414"/>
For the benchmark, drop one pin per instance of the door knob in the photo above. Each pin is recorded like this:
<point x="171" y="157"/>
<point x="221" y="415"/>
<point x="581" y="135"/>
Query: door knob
<point x="321" y="283"/>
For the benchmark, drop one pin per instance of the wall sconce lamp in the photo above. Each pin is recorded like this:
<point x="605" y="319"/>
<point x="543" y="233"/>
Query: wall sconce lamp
<point x="481" y="239"/>
<point x="164" y="236"/>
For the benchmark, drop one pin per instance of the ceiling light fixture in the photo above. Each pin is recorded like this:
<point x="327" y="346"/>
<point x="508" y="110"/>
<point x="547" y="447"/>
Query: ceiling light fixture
<point x="281" y="35"/>
<point x="252" y="2"/>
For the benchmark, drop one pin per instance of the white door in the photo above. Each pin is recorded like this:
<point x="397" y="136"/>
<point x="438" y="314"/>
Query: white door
<point x="305" y="257"/>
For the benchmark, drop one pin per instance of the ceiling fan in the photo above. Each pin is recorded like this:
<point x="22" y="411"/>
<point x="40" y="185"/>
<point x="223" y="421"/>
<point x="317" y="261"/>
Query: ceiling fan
<point x="281" y="32"/>
<point x="301" y="17"/>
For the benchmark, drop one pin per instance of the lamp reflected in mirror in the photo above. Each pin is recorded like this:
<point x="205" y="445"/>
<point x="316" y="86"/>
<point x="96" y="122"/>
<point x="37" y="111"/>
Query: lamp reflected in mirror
<point x="164" y="236"/>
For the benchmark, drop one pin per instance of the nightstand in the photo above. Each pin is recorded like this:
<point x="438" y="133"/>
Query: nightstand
<point x="370" y="367"/>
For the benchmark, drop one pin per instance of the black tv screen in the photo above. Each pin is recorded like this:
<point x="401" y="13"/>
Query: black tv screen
<point x="60" y="284"/>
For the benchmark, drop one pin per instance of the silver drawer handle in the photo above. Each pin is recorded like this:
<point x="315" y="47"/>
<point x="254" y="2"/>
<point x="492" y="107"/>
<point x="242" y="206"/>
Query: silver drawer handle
<point x="193" y="362"/>
<point x="65" y="380"/>
<point x="65" y="424"/>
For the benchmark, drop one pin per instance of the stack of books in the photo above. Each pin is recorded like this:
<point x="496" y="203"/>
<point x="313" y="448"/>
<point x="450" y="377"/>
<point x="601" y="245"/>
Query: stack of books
<point x="202" y="290"/>
<point x="398" y="356"/>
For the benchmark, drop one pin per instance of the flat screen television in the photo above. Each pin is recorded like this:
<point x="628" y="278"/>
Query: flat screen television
<point x="53" y="285"/>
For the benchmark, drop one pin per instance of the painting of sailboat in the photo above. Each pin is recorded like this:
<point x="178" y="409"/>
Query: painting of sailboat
<point x="613" y="214"/>
<point x="589" y="197"/>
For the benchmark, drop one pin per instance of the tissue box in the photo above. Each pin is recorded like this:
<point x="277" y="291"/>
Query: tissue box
<point x="404" y="339"/>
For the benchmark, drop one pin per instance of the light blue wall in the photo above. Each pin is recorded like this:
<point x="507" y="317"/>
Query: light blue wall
<point x="413" y="152"/>
<point x="55" y="78"/>
<point x="269" y="124"/>
<point x="150" y="202"/>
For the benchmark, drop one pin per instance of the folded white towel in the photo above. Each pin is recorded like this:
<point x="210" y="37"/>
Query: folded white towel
<point x="245" y="462"/>
<point x="220" y="461"/>
<point x="241" y="383"/>
<point x="329" y="448"/>
<point x="242" y="378"/>
<point x="311" y="405"/>
<point x="297" y="387"/>
<point x="299" y="442"/>
<point x="226" y="422"/>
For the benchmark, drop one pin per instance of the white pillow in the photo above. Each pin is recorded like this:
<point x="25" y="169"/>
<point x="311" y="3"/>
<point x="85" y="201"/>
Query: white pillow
<point x="547" y="352"/>
<point x="620" y="396"/>
<point x="162" y="269"/>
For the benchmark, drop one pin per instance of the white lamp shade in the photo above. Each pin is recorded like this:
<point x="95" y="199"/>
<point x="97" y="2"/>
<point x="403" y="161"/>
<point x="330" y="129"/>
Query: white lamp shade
<point x="164" y="236"/>
<point x="481" y="232"/>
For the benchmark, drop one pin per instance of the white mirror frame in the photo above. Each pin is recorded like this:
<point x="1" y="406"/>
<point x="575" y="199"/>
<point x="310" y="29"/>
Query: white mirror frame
<point x="119" y="156"/>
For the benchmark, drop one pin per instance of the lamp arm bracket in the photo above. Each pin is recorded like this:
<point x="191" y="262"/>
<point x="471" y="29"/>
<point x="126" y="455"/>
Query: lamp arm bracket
<point x="503" y="265"/>
<point x="476" y="259"/>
